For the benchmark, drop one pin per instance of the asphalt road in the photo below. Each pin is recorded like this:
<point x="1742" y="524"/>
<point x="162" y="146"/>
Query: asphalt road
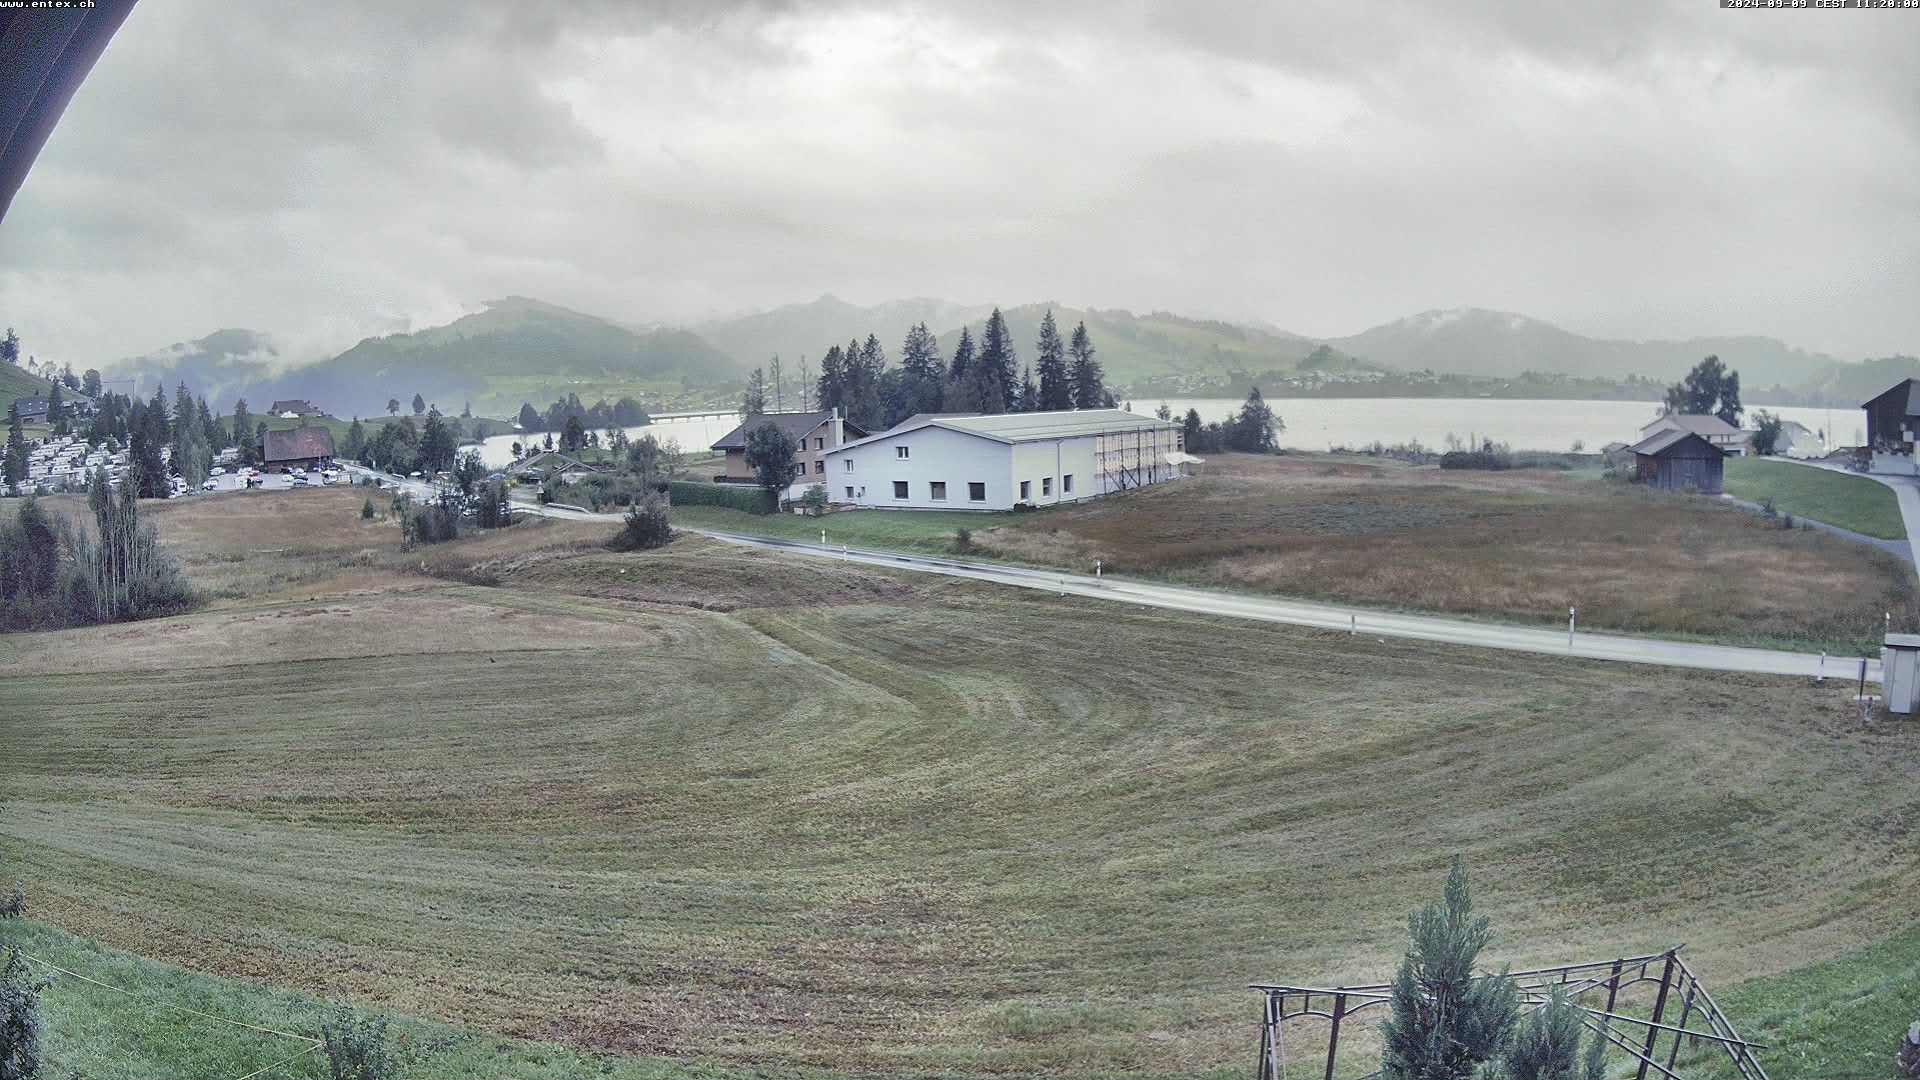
<point x="1356" y="621"/>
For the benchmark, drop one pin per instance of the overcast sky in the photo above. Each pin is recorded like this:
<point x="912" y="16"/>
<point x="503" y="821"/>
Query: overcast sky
<point x="323" y="171"/>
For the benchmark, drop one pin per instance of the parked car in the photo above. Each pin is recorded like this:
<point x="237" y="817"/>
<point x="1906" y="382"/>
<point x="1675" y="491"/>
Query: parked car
<point x="209" y="484"/>
<point x="300" y="480"/>
<point x="216" y="471"/>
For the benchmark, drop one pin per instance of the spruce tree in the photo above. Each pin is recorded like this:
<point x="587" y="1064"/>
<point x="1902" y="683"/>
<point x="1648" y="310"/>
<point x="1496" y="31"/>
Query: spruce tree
<point x="1446" y="1020"/>
<point x="1089" y="391"/>
<point x="1056" y="389"/>
<point x="832" y="393"/>
<point x="16" y="459"/>
<point x="243" y="434"/>
<point x="963" y="357"/>
<point x="1546" y="1045"/>
<point x="1029" y="393"/>
<point x="754" y="401"/>
<point x="57" y="412"/>
<point x="997" y="356"/>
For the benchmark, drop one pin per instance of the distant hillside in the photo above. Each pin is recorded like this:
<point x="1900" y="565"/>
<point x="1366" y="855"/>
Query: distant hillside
<point x="16" y="383"/>
<point x="1131" y="347"/>
<point x="222" y="367"/>
<point x="1479" y="342"/>
<point x="516" y="349"/>
<point x="1849" y="385"/>
<point x="797" y="330"/>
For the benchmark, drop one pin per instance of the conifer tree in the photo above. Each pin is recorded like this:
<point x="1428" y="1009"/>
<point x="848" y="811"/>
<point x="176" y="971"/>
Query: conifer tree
<point x="1088" y="381"/>
<point x="57" y="412"/>
<point x="1446" y="1021"/>
<point x="997" y="356"/>
<point x="754" y="401"/>
<point x="963" y="357"/>
<point x="16" y="459"/>
<point x="1056" y="390"/>
<point x="243" y="434"/>
<point x="1029" y="393"/>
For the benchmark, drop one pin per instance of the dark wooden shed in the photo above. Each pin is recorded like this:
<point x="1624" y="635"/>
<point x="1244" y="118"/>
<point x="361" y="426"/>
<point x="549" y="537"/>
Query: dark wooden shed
<point x="1676" y="460"/>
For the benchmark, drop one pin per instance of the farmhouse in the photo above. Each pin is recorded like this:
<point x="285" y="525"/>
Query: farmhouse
<point x="1729" y="439"/>
<point x="294" y="409"/>
<point x="550" y="465"/>
<point x="813" y="434"/>
<point x="34" y="408"/>
<point x="1679" y="460"/>
<point x="1892" y="419"/>
<point x="296" y="449"/>
<point x="936" y="462"/>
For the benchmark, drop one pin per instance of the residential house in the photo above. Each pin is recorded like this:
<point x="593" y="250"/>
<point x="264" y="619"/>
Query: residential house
<point x="296" y="449"/>
<point x="813" y="435"/>
<point x="550" y="465"/>
<point x="1675" y="459"/>
<point x="1717" y="432"/>
<point x="33" y="408"/>
<point x="294" y="409"/>
<point x="998" y="462"/>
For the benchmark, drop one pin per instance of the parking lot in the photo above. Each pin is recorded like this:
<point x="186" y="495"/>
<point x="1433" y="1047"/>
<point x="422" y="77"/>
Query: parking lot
<point x="267" y="482"/>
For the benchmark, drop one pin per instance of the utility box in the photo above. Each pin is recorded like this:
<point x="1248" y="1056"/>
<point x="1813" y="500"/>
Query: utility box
<point x="1900" y="672"/>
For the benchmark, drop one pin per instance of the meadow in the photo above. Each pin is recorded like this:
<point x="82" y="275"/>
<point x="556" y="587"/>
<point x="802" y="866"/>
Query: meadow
<point x="750" y="812"/>
<point x="1852" y="502"/>
<point x="1520" y="546"/>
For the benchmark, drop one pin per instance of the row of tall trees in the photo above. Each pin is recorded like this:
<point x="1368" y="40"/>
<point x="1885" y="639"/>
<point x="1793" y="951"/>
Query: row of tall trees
<point x="402" y="447"/>
<point x="626" y="412"/>
<point x="1253" y="429"/>
<point x="982" y="377"/>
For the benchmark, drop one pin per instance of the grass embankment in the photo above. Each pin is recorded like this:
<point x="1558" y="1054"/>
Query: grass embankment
<point x="1851" y="502"/>
<point x="874" y="822"/>
<point x="1518" y="546"/>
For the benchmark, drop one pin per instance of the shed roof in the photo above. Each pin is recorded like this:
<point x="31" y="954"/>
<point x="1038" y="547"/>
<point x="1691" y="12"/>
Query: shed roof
<point x="296" y="444"/>
<point x="1033" y="427"/>
<point x="1665" y="442"/>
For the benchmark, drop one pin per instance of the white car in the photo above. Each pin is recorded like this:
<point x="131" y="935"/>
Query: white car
<point x="300" y="480"/>
<point x="209" y="484"/>
<point x="216" y="471"/>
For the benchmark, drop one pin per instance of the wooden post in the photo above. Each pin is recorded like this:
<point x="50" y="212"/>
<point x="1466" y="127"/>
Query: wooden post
<point x="1333" y="1036"/>
<point x="1659" y="1007"/>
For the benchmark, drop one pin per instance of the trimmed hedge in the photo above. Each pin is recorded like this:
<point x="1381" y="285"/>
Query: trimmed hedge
<point x="732" y="497"/>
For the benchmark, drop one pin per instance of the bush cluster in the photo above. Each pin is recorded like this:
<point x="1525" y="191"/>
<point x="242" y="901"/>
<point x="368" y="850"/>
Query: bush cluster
<point x="732" y="497"/>
<point x="646" y="527"/>
<point x="1477" y="459"/>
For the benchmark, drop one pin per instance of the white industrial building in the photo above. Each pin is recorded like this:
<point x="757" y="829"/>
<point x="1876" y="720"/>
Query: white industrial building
<point x="955" y="462"/>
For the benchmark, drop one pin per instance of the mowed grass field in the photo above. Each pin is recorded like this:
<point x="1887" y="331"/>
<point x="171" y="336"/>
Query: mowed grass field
<point x="751" y="812"/>
<point x="1852" y="502"/>
<point x="1518" y="546"/>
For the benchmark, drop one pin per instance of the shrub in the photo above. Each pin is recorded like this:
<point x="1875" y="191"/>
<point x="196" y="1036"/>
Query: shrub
<point x="20" y="1025"/>
<point x="490" y="509"/>
<point x="366" y="510"/>
<point x="1495" y="460"/>
<point x="15" y="906"/>
<point x="730" y="496"/>
<point x="962" y="541"/>
<point x="355" y="1046"/>
<point x="434" y="523"/>
<point x="1546" y="1045"/>
<point x="646" y="527"/>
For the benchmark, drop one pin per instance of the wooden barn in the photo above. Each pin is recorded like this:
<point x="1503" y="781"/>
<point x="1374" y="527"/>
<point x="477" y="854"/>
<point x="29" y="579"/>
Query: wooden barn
<point x="1679" y="460"/>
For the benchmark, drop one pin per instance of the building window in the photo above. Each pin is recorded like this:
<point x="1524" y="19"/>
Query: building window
<point x="976" y="492"/>
<point x="849" y="462"/>
<point x="1046" y="485"/>
<point x="819" y="467"/>
<point x="1026" y="490"/>
<point x="1066" y="484"/>
<point x="899" y="489"/>
<point x="938" y="490"/>
<point x="900" y="452"/>
<point x="849" y="491"/>
<point x="819" y="442"/>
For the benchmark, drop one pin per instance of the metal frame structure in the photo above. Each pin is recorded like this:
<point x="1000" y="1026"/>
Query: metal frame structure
<point x="1134" y="458"/>
<point x="1640" y="1038"/>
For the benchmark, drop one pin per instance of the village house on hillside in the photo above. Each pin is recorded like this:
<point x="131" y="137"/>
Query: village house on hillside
<point x="1893" y="418"/>
<point x="34" y="408"/>
<point x="1717" y="432"/>
<point x="294" y="409"/>
<point x="813" y="434"/>
<point x="296" y="449"/>
<point x="1674" y="459"/>
<point x="945" y="462"/>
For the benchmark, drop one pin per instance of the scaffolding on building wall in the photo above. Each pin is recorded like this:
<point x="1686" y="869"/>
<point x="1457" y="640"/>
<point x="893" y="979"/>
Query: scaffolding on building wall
<point x="1608" y="993"/>
<point x="1135" y="458"/>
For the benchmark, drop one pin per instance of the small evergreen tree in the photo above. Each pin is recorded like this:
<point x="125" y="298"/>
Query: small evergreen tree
<point x="1446" y="1020"/>
<point x="1546" y="1046"/>
<point x="646" y="526"/>
<point x="16" y="460"/>
<point x="1056" y="389"/>
<point x="754" y="401"/>
<point x="20" y="1025"/>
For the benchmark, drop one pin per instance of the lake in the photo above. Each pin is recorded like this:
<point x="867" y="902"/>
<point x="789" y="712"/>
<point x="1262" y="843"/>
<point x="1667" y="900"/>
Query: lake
<point x="1320" y="423"/>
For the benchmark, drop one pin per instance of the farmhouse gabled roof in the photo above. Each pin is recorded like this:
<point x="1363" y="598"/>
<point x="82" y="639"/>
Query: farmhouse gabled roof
<point x="795" y="424"/>
<point x="1703" y="424"/>
<point x="1911" y="402"/>
<point x="295" y="444"/>
<point x="1030" y="427"/>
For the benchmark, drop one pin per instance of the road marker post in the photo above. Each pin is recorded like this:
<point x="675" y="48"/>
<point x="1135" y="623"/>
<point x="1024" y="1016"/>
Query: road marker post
<point x="1572" y="614"/>
<point x="1096" y="568"/>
